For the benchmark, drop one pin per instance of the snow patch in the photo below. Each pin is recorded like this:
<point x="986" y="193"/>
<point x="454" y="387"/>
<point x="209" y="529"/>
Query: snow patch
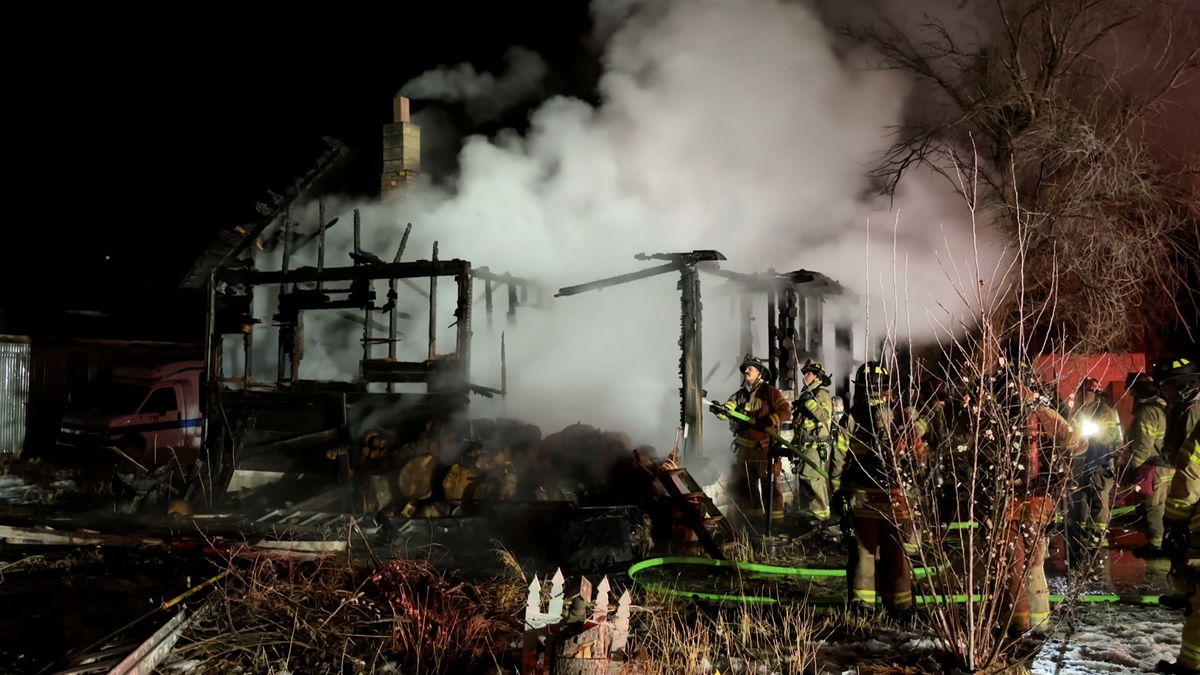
<point x="1116" y="639"/>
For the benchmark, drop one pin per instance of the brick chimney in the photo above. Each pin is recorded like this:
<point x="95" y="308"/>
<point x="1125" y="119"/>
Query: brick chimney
<point x="401" y="149"/>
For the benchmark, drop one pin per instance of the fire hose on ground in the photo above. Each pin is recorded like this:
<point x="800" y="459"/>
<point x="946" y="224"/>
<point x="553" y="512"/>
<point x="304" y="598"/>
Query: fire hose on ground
<point x="757" y="571"/>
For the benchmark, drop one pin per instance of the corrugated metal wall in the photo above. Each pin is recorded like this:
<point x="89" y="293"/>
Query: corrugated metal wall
<point x="14" y="393"/>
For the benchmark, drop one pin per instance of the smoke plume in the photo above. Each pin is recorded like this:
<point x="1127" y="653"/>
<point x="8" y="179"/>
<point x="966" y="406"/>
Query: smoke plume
<point x="484" y="96"/>
<point x="740" y="127"/>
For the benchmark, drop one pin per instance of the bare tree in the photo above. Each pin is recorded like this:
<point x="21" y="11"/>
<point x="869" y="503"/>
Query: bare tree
<point x="1066" y="127"/>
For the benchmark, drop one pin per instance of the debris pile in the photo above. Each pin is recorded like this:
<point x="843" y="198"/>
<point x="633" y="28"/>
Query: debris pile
<point x="452" y="469"/>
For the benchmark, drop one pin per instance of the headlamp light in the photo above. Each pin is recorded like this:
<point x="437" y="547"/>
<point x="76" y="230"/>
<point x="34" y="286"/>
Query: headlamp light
<point x="1090" y="428"/>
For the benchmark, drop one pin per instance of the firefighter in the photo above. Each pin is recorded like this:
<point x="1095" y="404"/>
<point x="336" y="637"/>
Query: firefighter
<point x="878" y="559"/>
<point x="1179" y="380"/>
<point x="813" y="412"/>
<point x="1048" y="447"/>
<point x="1095" y="470"/>
<point x="755" y="471"/>
<point x="1146" y="434"/>
<point x="839" y="443"/>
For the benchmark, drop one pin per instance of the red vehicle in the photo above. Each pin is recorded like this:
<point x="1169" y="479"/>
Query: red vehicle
<point x="165" y="425"/>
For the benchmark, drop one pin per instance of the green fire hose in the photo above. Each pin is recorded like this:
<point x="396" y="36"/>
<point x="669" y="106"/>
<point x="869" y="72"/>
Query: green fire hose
<point x="797" y="452"/>
<point x="760" y="571"/>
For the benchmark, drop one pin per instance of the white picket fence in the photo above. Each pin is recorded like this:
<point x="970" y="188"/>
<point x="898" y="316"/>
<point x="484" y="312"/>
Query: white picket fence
<point x="592" y="646"/>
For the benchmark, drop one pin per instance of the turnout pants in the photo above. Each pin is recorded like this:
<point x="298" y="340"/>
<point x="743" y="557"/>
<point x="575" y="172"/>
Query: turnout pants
<point x="1028" y="593"/>
<point x="1154" y="504"/>
<point x="812" y="490"/>
<point x="878" y="561"/>
<point x="756" y="473"/>
<point x="1091" y="503"/>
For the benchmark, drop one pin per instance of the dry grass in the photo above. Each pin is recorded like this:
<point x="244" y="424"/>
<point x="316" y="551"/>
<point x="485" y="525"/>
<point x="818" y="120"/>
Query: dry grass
<point x="330" y="617"/>
<point x="678" y="638"/>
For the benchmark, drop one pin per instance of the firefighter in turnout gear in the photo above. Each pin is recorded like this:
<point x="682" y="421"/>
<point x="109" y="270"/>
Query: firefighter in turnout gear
<point x="1146" y="434"/>
<point x="1179" y="380"/>
<point x="1096" y="470"/>
<point x="839" y="443"/>
<point x="813" y="410"/>
<point x="1048" y="446"/>
<point x="755" y="471"/>
<point x="879" y="558"/>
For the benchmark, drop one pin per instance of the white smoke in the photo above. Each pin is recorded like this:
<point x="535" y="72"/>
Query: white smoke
<point x="728" y="126"/>
<point x="483" y="95"/>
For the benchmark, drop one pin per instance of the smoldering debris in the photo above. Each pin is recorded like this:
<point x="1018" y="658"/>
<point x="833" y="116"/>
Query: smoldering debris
<point x="457" y="467"/>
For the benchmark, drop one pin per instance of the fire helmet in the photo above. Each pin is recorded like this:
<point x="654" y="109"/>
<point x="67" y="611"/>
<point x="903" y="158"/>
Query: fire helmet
<point x="758" y="363"/>
<point x="1169" y="369"/>
<point x="1141" y="385"/>
<point x="872" y="376"/>
<point x="818" y="370"/>
<point x="1091" y="385"/>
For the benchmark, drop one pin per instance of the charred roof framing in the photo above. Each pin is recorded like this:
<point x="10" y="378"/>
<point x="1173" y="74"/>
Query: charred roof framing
<point x="796" y="323"/>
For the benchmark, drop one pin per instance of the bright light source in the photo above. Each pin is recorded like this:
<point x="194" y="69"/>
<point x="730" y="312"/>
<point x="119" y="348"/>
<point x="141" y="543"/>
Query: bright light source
<point x="1090" y="428"/>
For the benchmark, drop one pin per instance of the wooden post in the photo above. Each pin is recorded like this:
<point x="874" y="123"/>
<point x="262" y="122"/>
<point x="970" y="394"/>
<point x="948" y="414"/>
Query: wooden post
<point x="772" y="333"/>
<point x="747" y="336"/>
<point x="287" y="243"/>
<point x="487" y="299"/>
<point x="248" y="355"/>
<point x="512" y="299"/>
<point x="366" y="338"/>
<point x="433" y="308"/>
<point x="283" y="288"/>
<point x="393" y="300"/>
<point x="320" y="238"/>
<point x="462" y="316"/>
<point x="357" y="234"/>
<point x="297" y="348"/>
<point x="691" y="362"/>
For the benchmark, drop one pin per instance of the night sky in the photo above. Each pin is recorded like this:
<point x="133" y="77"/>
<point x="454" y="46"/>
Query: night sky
<point x="134" y="137"/>
<point x="139" y="137"/>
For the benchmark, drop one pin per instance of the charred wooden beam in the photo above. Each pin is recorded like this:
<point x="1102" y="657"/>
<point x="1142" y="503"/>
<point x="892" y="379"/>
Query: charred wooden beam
<point x="747" y="334"/>
<point x="487" y="300"/>
<point x="433" y="308"/>
<point x="462" y="316"/>
<point x="230" y="244"/>
<point x="486" y="274"/>
<point x="320" y="238"/>
<point x="408" y="270"/>
<point x="512" y="304"/>
<point x="357" y="232"/>
<point x="772" y="334"/>
<point x="296" y="442"/>
<point x="379" y="370"/>
<point x="613" y="281"/>
<point x="690" y="362"/>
